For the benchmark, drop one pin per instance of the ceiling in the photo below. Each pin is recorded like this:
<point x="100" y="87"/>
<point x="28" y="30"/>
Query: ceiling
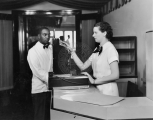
<point x="76" y="4"/>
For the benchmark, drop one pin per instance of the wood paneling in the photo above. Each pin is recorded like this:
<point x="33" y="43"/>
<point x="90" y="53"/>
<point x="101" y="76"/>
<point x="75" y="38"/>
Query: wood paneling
<point x="6" y="58"/>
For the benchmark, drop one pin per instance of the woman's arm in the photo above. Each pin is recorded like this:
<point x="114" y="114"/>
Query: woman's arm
<point x="76" y="59"/>
<point x="79" y="63"/>
<point x="113" y="76"/>
<point x="35" y="66"/>
<point x="106" y="79"/>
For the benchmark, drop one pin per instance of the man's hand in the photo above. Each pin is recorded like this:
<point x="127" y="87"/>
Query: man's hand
<point x="51" y="74"/>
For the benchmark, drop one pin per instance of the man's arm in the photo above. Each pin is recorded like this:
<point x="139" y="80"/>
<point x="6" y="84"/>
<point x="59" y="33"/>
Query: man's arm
<point x="36" y="68"/>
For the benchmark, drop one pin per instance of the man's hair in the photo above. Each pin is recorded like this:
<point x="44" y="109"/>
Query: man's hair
<point x="42" y="28"/>
<point x="104" y="26"/>
<point x="62" y="38"/>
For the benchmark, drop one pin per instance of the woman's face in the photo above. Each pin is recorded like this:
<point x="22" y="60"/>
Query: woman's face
<point x="98" y="35"/>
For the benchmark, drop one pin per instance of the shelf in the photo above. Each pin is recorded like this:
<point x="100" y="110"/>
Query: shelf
<point x="128" y="76"/>
<point x="126" y="47"/>
<point x="126" y="62"/>
<point x="124" y="38"/>
<point x="126" y="50"/>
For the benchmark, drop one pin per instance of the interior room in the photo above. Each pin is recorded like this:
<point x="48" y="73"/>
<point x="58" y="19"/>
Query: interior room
<point x="73" y="21"/>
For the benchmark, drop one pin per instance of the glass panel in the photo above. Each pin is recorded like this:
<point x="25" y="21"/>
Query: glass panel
<point x="68" y="38"/>
<point x="58" y="34"/>
<point x="74" y="46"/>
<point x="51" y="33"/>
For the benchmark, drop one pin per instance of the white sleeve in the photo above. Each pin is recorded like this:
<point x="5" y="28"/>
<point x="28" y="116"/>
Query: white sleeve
<point x="113" y="55"/>
<point x="79" y="63"/>
<point x="34" y="64"/>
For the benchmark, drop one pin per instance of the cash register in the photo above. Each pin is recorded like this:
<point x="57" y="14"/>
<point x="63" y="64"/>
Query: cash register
<point x="62" y="80"/>
<point x="65" y="73"/>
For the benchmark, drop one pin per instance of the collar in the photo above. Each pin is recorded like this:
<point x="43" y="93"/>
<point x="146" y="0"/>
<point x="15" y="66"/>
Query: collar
<point x="40" y="45"/>
<point x="106" y="45"/>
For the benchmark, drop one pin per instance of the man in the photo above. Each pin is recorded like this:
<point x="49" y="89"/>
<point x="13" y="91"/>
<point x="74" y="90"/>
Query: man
<point x="40" y="60"/>
<point x="68" y="40"/>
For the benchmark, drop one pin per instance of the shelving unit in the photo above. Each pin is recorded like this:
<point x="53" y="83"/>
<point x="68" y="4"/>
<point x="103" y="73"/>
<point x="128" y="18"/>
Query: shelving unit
<point x="127" y="49"/>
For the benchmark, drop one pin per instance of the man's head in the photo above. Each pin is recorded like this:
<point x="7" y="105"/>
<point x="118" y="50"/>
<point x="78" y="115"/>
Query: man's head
<point x="62" y="38"/>
<point x="44" y="35"/>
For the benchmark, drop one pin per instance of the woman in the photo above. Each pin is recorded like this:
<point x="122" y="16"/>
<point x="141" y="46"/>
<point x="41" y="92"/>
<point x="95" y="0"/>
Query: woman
<point x="104" y="63"/>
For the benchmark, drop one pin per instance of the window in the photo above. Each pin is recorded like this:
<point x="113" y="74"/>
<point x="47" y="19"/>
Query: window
<point x="58" y="34"/>
<point x="74" y="37"/>
<point x="69" y="36"/>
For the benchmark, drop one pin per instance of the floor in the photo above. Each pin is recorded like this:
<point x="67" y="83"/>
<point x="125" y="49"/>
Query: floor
<point x="15" y="107"/>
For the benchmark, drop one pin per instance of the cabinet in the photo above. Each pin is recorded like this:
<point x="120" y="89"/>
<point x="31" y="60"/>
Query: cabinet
<point x="127" y="49"/>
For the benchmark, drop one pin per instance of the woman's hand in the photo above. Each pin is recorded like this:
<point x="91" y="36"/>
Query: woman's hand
<point x="66" y="45"/>
<point x="92" y="81"/>
<point x="63" y="43"/>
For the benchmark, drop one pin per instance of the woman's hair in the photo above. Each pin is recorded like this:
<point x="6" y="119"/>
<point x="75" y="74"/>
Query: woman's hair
<point x="104" y="26"/>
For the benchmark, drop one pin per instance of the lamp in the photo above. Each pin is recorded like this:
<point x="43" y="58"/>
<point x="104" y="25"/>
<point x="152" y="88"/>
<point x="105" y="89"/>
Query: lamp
<point x="64" y="18"/>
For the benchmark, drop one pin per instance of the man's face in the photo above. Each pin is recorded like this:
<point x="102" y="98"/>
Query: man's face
<point x="44" y="36"/>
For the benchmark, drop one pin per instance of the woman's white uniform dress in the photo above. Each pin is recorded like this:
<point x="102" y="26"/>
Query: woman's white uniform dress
<point x="101" y="67"/>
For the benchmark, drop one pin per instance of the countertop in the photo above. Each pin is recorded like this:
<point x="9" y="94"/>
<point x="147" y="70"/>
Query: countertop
<point x="89" y="102"/>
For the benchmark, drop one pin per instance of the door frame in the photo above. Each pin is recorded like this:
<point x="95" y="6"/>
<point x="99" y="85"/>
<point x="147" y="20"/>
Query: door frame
<point x="20" y="49"/>
<point x="91" y="16"/>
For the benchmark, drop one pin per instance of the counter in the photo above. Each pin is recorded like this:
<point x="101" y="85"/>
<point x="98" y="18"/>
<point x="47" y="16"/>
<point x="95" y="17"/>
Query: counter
<point x="88" y="102"/>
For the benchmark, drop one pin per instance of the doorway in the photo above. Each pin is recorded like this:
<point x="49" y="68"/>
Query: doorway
<point x="61" y="23"/>
<point x="25" y="25"/>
